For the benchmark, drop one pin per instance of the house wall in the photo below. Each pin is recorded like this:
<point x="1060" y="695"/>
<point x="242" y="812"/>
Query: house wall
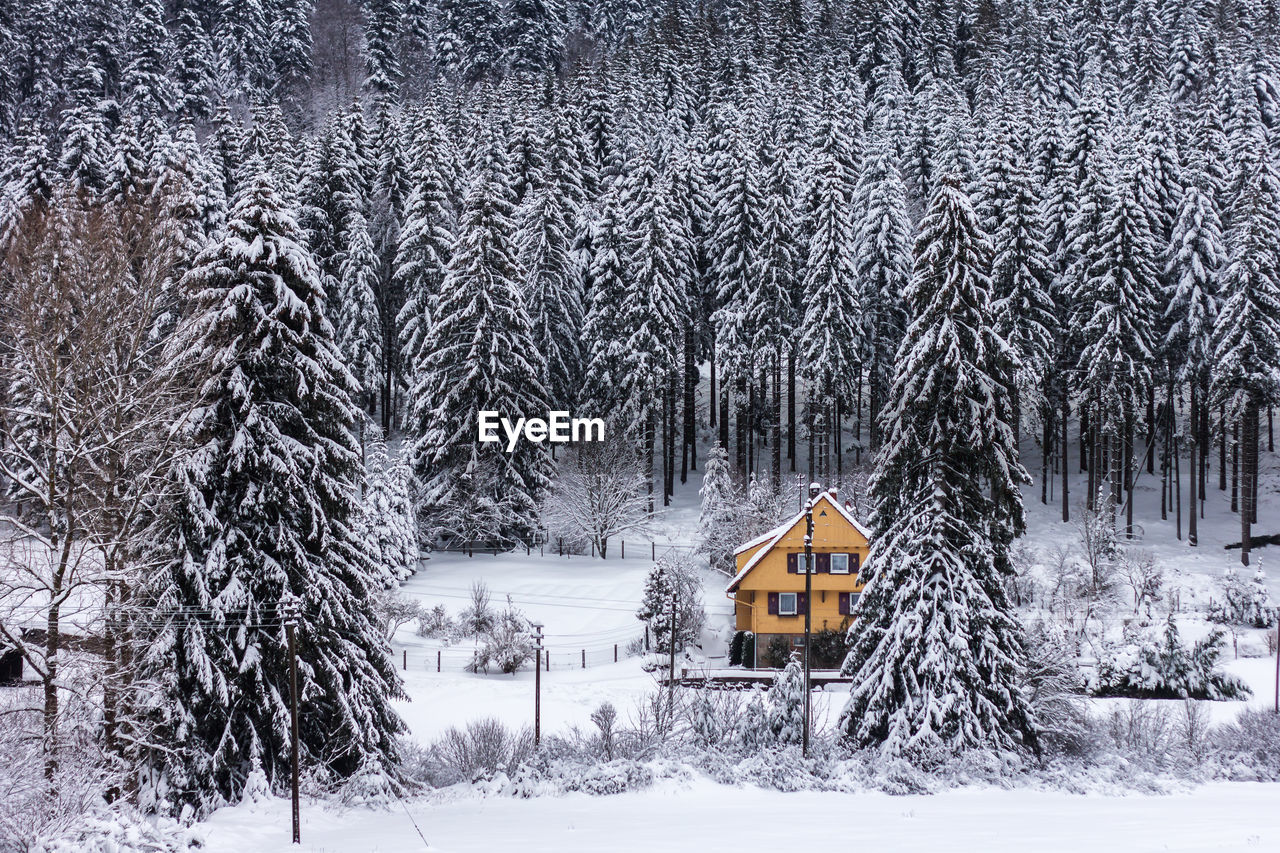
<point x="832" y="533"/>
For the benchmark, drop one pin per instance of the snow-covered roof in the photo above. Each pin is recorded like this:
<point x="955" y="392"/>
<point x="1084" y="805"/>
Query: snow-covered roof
<point x="774" y="536"/>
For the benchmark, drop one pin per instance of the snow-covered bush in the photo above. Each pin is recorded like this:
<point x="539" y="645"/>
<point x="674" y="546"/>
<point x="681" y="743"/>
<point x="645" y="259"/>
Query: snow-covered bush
<point x="613" y="777"/>
<point x="481" y="750"/>
<point x="477" y="617"/>
<point x="1249" y="748"/>
<point x="742" y="648"/>
<point x="1052" y="682"/>
<point x="436" y="624"/>
<point x="1243" y="601"/>
<point x="780" y="768"/>
<point x="107" y="829"/>
<point x="1161" y="667"/>
<point x="777" y="652"/>
<point x="506" y="645"/>
<point x="396" y="610"/>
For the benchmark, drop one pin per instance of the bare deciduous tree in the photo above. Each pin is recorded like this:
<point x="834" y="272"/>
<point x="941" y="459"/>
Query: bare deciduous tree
<point x="86" y="423"/>
<point x="601" y="492"/>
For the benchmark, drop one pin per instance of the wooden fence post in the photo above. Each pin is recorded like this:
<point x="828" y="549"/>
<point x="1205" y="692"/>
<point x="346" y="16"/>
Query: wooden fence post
<point x="584" y="658"/>
<point x="437" y="660"/>
<point x="405" y="662"/>
<point x="624" y="550"/>
<point x="615" y="652"/>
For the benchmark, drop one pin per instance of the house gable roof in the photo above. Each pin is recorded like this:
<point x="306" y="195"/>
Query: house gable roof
<point x="773" y="537"/>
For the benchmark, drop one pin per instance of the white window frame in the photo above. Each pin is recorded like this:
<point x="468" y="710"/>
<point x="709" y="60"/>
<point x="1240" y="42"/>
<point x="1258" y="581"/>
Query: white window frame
<point x="843" y="571"/>
<point x="802" y="565"/>
<point x="853" y="599"/>
<point x="795" y="604"/>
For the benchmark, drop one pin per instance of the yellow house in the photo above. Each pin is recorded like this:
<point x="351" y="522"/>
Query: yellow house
<point x="768" y="590"/>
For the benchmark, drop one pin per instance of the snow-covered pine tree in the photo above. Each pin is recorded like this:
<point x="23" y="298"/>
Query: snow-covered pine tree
<point x="1246" y="332"/>
<point x="882" y="261"/>
<point x="534" y="35"/>
<point x="1192" y="263"/>
<point x="830" y="330"/>
<point x="388" y="520"/>
<point x="194" y="74"/>
<point x="146" y="86"/>
<point x="553" y="280"/>
<point x="382" y="28"/>
<point x="1021" y="277"/>
<point x="483" y="357"/>
<point x="267" y="513"/>
<point x="652" y="303"/>
<point x="719" y="519"/>
<point x="601" y="330"/>
<point x="770" y="309"/>
<point x="785" y="703"/>
<point x="290" y="42"/>
<point x="1118" y="309"/>
<point x="359" y="326"/>
<point x="735" y="243"/>
<point x="426" y="245"/>
<point x="937" y="649"/>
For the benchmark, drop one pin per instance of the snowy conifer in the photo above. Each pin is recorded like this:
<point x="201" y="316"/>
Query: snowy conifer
<point x="388" y="520"/>
<point x="267" y="513"/>
<point x="785" y="703"/>
<point x="482" y="358"/>
<point x="359" y="326"/>
<point x="937" y="652"/>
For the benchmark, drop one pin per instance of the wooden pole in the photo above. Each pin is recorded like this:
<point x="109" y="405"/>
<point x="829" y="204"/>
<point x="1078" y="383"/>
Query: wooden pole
<point x="671" y="673"/>
<point x="291" y="626"/>
<point x="808" y="594"/>
<point x="537" y="687"/>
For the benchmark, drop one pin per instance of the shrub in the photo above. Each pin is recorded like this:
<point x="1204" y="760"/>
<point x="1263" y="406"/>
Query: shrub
<point x="1249" y="748"/>
<point x="777" y="653"/>
<point x="435" y="624"/>
<point x="1145" y="666"/>
<point x="1243" y="602"/>
<point x="828" y="649"/>
<point x="507" y="645"/>
<point x="736" y="646"/>
<point x="486" y="747"/>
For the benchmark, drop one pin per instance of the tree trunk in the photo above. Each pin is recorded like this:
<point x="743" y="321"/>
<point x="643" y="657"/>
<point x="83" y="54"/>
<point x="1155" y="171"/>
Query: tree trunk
<point x="1235" y="467"/>
<point x="775" y="439"/>
<point x="724" y="415"/>
<point x="711" y="398"/>
<point x="741" y="424"/>
<point x="689" y="446"/>
<point x="1249" y="434"/>
<point x="1222" y="449"/>
<point x="791" y="407"/>
<point x="1066" y="452"/>
<point x="1151" y="427"/>
<point x="1193" y="474"/>
<point x="838" y="449"/>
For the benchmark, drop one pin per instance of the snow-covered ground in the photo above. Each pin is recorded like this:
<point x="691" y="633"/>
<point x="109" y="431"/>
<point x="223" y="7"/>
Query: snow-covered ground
<point x="701" y="816"/>
<point x="589" y="604"/>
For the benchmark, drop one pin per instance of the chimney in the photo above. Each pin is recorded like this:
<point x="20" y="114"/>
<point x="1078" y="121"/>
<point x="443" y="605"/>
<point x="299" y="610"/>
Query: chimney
<point x="833" y="494"/>
<point x="814" y="490"/>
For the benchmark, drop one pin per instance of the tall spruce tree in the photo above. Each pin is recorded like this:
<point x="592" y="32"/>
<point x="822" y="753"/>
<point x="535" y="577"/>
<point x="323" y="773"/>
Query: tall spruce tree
<point x="483" y="358"/>
<point x="938" y="652"/>
<point x="266" y="514"/>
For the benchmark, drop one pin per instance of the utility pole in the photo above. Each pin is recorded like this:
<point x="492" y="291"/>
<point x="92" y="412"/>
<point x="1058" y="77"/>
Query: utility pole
<point x="671" y="675"/>
<point x="808" y="594"/>
<point x="537" y="685"/>
<point x="291" y="628"/>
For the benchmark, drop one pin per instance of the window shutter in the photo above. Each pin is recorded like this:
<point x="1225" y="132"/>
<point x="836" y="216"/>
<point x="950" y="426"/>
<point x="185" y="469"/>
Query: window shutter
<point x="853" y="564"/>
<point x="791" y="564"/>
<point x="844" y="604"/>
<point x="773" y="604"/>
<point x="802" y="604"/>
<point x="822" y="563"/>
